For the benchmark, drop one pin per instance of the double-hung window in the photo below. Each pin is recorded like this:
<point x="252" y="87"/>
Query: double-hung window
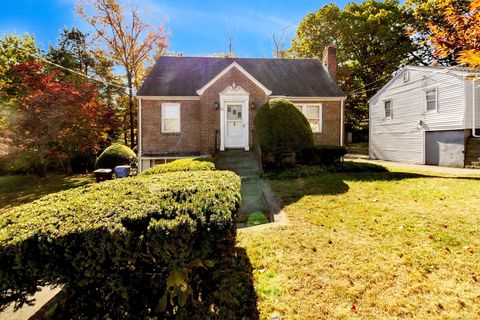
<point x="313" y="113"/>
<point x="431" y="99"/>
<point x="170" y="117"/>
<point x="388" y="110"/>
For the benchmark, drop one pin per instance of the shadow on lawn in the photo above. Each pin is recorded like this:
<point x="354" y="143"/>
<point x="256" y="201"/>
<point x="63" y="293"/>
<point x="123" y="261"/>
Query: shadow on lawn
<point x="292" y="190"/>
<point x="19" y="189"/>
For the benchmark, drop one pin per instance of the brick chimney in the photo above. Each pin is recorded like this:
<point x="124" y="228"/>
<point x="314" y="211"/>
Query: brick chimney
<point x="329" y="60"/>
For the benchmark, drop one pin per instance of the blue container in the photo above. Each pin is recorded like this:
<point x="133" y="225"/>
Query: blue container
<point x="122" y="171"/>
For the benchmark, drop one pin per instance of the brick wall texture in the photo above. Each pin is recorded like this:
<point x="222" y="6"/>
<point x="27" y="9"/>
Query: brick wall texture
<point x="200" y="119"/>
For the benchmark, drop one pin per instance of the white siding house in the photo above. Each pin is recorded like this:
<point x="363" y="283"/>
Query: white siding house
<point x="424" y="115"/>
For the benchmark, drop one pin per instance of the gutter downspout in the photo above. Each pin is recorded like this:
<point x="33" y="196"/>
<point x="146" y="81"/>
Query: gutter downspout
<point x="139" y="156"/>
<point x="473" y="108"/>
<point x="342" y="125"/>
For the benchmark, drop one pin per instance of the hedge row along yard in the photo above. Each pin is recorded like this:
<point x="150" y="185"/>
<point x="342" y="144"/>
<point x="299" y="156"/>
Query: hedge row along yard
<point x="182" y="165"/>
<point x="150" y="246"/>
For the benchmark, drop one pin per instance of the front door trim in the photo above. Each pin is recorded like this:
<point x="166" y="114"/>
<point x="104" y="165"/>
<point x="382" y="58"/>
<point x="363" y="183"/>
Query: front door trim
<point x="238" y="95"/>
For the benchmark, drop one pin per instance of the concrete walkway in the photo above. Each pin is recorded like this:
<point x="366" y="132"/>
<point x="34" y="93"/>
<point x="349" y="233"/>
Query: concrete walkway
<point x="24" y="313"/>
<point x="420" y="167"/>
<point x="245" y="164"/>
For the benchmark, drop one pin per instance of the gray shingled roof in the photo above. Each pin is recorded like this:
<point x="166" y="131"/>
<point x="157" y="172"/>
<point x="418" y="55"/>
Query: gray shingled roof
<point x="183" y="76"/>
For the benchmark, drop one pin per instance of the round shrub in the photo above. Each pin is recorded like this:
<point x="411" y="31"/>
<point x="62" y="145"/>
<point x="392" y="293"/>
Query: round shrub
<point x="116" y="155"/>
<point x="256" y="218"/>
<point x="282" y="128"/>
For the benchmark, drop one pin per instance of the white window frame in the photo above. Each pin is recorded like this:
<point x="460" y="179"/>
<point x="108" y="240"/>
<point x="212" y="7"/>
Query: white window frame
<point x="320" y="115"/>
<point x="175" y="104"/>
<point x="436" y="99"/>
<point x="391" y="109"/>
<point x="406" y="76"/>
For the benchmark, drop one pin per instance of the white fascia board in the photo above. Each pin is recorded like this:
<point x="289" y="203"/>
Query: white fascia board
<point x="443" y="70"/>
<point x="169" y="98"/>
<point x="242" y="70"/>
<point x="166" y="157"/>
<point x="310" y="98"/>
<point x="400" y="72"/>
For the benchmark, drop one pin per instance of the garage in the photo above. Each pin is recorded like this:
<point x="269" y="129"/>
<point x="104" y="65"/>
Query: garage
<point x="445" y="148"/>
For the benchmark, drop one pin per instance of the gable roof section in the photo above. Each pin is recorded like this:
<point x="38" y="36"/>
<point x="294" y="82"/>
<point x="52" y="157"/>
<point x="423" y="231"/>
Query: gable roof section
<point x="395" y="77"/>
<point x="456" y="70"/>
<point x="242" y="70"/>
<point x="184" y="76"/>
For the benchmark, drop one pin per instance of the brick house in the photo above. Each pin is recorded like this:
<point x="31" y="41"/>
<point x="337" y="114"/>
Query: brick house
<point x="190" y="106"/>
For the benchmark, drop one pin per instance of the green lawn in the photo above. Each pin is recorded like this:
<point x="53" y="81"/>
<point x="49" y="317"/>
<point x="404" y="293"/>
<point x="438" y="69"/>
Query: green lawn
<point x="371" y="246"/>
<point x="358" y="145"/>
<point x="18" y="189"/>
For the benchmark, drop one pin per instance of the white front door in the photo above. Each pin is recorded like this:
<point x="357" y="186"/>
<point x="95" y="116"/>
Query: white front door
<point x="234" y="125"/>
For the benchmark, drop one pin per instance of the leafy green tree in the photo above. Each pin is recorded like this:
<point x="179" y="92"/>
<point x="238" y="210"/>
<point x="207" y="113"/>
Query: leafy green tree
<point x="371" y="43"/>
<point x="14" y="50"/>
<point x="74" y="52"/>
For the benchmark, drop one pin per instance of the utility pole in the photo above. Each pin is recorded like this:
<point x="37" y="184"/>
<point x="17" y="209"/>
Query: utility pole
<point x="230" y="46"/>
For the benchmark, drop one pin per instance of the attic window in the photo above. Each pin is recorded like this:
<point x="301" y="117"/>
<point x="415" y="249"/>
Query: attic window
<point x="406" y="76"/>
<point x="387" y="105"/>
<point x="431" y="99"/>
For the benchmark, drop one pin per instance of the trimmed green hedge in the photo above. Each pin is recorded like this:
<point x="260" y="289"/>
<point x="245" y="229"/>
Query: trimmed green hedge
<point x="282" y="128"/>
<point x="123" y="249"/>
<point x="298" y="171"/>
<point x="351" y="166"/>
<point x="321" y="155"/>
<point x="181" y="165"/>
<point x="116" y="155"/>
<point x="301" y="171"/>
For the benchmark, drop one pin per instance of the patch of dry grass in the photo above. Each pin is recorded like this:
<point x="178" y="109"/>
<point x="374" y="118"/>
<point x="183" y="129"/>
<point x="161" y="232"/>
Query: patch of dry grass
<point x="371" y="246"/>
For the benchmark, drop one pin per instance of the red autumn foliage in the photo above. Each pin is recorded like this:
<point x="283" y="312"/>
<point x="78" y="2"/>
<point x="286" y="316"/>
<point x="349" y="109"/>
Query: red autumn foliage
<point x="56" y="120"/>
<point x="462" y="33"/>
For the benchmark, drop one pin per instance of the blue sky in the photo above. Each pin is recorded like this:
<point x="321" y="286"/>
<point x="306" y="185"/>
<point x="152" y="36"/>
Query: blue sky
<point x="195" y="27"/>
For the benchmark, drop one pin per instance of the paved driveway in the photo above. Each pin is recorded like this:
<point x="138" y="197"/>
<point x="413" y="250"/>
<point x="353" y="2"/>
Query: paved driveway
<point x="420" y="167"/>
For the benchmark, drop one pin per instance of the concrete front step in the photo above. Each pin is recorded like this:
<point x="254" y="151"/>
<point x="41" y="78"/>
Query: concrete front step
<point x="246" y="165"/>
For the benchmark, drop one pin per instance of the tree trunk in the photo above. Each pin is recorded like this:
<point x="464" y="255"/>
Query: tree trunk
<point x="130" y="110"/>
<point x="40" y="170"/>
<point x="69" y="166"/>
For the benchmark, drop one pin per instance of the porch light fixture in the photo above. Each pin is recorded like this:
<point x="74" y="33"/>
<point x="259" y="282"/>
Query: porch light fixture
<point x="216" y="105"/>
<point x="253" y="105"/>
